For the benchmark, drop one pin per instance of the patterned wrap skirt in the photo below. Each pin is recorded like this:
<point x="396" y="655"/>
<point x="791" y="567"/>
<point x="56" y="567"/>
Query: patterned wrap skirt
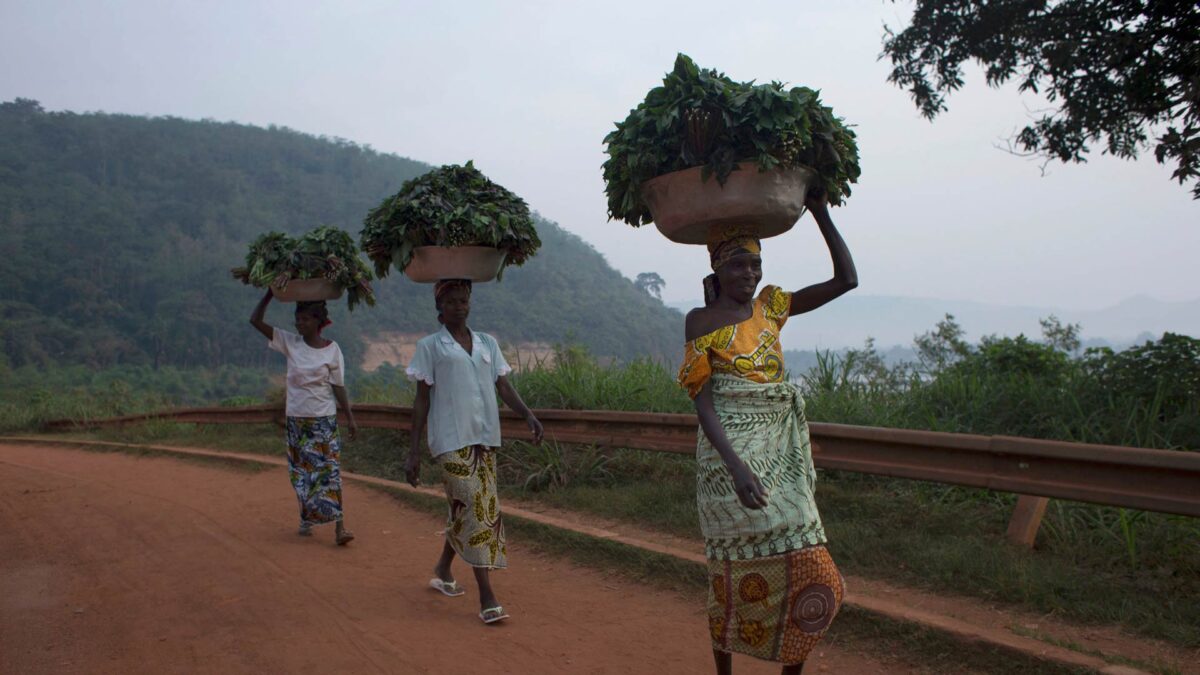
<point x="313" y="451"/>
<point x="474" y="527"/>
<point x="773" y="588"/>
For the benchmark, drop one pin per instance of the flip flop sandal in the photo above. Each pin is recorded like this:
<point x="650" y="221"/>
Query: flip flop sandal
<point x="447" y="588"/>
<point x="493" y="614"/>
<point x="345" y="537"/>
<point x="305" y="531"/>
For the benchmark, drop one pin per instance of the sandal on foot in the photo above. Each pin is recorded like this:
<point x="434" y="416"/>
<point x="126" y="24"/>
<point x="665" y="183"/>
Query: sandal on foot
<point x="344" y="537"/>
<point x="493" y="614"/>
<point x="305" y="531"/>
<point x="448" y="588"/>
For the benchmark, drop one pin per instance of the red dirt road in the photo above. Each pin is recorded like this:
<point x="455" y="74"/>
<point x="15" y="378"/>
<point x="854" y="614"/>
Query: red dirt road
<point x="111" y="563"/>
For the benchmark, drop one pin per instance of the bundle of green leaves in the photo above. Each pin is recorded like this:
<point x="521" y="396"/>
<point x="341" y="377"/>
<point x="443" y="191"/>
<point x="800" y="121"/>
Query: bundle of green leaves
<point x="275" y="259"/>
<point x="700" y="117"/>
<point x="449" y="206"/>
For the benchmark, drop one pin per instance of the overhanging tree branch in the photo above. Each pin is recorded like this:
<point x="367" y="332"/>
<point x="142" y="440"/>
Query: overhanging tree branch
<point x="1120" y="71"/>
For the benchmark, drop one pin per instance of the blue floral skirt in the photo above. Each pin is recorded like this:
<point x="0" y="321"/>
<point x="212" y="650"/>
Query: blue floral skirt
<point x="313" y="451"/>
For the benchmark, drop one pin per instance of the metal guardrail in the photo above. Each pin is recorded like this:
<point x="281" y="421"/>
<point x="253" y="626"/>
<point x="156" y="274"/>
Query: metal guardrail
<point x="1153" y="480"/>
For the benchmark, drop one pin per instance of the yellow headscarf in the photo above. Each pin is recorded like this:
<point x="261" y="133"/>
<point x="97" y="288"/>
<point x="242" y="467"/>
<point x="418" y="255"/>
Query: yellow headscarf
<point x="725" y="243"/>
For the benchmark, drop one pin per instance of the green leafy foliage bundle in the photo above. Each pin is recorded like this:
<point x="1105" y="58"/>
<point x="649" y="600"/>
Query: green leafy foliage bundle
<point x="449" y="206"/>
<point x="275" y="259"/>
<point x="700" y="117"/>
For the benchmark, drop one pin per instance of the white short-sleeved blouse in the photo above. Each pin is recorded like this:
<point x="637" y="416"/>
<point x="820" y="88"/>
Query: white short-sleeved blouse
<point x="311" y="374"/>
<point x="462" y="400"/>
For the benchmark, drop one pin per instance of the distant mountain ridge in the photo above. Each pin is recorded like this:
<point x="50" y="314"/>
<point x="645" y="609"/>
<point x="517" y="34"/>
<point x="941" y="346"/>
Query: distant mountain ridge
<point x="895" y="320"/>
<point x="118" y="233"/>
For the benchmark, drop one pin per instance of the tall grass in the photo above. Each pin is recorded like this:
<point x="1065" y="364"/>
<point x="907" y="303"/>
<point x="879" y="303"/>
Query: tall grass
<point x="388" y="385"/>
<point x="31" y="396"/>
<point x="577" y="381"/>
<point x="1075" y="400"/>
<point x="30" y="409"/>
<point x="1056" y="398"/>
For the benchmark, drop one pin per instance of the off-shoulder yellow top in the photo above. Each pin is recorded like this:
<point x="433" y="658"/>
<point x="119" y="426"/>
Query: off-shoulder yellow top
<point x="750" y="349"/>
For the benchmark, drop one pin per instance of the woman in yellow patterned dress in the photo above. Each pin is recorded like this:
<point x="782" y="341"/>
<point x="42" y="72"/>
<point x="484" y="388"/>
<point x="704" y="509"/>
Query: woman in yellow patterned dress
<point x="773" y="588"/>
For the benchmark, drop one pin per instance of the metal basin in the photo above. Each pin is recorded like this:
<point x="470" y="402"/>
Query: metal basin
<point x="434" y="263"/>
<point x="685" y="208"/>
<point x="307" y="290"/>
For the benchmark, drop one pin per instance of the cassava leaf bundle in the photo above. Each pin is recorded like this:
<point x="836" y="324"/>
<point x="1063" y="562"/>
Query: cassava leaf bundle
<point x="275" y="258"/>
<point x="700" y="117"/>
<point x="450" y="206"/>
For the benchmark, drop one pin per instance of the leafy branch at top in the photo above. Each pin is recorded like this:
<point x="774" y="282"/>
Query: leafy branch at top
<point x="700" y="117"/>
<point x="1116" y="71"/>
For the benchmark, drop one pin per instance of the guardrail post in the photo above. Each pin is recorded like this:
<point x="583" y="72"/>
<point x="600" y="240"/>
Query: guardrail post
<point x="1026" y="519"/>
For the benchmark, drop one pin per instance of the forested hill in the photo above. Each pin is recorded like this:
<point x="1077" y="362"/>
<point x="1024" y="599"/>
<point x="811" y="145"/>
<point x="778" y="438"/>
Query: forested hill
<point x="117" y="234"/>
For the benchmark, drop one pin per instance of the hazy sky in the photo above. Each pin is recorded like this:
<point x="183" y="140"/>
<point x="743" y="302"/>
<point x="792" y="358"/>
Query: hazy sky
<point x="529" y="89"/>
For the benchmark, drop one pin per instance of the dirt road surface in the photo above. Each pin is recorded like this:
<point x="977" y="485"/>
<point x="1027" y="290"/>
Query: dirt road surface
<point x="111" y="563"/>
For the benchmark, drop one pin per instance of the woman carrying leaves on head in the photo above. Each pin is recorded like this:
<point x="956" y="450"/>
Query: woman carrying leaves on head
<point x="456" y="370"/>
<point x="315" y="388"/>
<point x="773" y="588"/>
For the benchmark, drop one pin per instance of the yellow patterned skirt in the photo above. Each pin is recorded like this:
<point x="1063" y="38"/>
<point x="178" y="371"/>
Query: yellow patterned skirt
<point x="775" y="607"/>
<point x="475" y="528"/>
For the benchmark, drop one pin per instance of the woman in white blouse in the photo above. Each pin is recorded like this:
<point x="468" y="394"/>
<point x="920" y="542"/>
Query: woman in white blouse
<point x="458" y="373"/>
<point x="316" y="385"/>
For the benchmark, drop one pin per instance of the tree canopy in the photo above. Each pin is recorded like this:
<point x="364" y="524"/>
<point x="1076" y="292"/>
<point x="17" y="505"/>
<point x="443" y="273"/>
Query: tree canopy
<point x="1124" y="73"/>
<point x="119" y="231"/>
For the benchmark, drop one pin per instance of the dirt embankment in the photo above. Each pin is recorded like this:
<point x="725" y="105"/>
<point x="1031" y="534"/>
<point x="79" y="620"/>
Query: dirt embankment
<point x="398" y="349"/>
